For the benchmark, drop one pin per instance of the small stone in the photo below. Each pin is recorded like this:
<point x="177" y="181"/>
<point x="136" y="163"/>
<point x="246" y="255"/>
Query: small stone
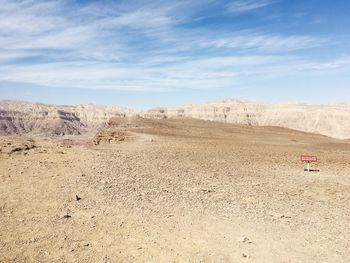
<point x="276" y="215"/>
<point x="244" y="255"/>
<point x="244" y="239"/>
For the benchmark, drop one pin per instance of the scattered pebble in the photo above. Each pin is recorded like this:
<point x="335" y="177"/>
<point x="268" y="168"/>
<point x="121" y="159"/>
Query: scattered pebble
<point x="276" y="215"/>
<point x="244" y="239"/>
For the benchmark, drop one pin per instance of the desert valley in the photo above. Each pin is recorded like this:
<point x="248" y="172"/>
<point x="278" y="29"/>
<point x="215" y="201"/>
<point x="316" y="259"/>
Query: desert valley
<point x="217" y="182"/>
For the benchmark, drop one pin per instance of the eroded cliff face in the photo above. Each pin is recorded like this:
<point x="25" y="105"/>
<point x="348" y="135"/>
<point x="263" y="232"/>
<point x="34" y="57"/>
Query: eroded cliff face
<point x="332" y="120"/>
<point x="95" y="116"/>
<point x="22" y="117"/>
<point x="36" y="118"/>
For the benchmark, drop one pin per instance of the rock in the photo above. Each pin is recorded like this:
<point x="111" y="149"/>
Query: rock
<point x="276" y="215"/>
<point x="244" y="239"/>
<point x="44" y="119"/>
<point x="15" y="144"/>
<point x="206" y="191"/>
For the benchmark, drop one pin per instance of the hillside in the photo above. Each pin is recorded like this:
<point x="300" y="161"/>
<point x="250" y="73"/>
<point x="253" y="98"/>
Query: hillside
<point x="43" y="119"/>
<point x="332" y="120"/>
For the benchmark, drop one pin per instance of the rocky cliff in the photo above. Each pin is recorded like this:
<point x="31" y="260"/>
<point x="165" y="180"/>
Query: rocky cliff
<point x="36" y="118"/>
<point x="332" y="120"/>
<point x="22" y="117"/>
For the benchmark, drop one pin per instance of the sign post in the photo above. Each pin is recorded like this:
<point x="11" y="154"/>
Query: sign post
<point x="308" y="159"/>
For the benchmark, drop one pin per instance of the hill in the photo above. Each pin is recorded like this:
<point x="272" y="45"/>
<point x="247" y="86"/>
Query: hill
<point x="332" y="120"/>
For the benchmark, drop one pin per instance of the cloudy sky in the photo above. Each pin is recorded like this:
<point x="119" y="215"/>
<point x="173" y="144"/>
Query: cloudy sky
<point x="152" y="53"/>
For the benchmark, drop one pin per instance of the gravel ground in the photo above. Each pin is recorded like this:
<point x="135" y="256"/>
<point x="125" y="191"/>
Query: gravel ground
<point x="175" y="191"/>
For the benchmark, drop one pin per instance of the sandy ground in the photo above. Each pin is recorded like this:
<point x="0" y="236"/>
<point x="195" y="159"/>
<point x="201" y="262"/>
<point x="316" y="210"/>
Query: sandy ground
<point x="177" y="191"/>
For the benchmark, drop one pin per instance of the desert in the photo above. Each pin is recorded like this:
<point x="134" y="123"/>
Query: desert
<point x="174" y="190"/>
<point x="191" y="131"/>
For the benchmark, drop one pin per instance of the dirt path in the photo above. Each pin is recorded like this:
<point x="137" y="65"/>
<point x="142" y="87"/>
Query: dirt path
<point x="209" y="195"/>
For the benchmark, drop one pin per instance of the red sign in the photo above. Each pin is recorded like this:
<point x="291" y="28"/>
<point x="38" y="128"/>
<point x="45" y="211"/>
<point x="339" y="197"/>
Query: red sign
<point x="307" y="158"/>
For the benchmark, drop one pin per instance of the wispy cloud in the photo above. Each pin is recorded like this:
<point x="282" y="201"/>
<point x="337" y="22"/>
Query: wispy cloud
<point x="139" y="45"/>
<point x="267" y="42"/>
<point x="241" y="6"/>
<point x="331" y="64"/>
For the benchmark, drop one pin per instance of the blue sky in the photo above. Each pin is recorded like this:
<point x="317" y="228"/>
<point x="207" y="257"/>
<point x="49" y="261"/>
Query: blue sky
<point x="158" y="53"/>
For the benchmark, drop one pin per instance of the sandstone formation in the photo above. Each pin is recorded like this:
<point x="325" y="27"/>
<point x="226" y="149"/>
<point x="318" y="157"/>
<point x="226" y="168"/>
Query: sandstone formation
<point x="23" y="117"/>
<point x="332" y="120"/>
<point x="121" y="128"/>
<point x="16" y="144"/>
<point x="43" y="119"/>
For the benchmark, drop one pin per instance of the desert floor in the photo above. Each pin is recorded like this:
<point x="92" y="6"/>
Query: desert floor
<point x="176" y="191"/>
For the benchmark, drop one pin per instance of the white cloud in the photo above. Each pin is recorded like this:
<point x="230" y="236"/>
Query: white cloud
<point x="127" y="46"/>
<point x="267" y="42"/>
<point x="332" y="64"/>
<point x="204" y="73"/>
<point x="241" y="6"/>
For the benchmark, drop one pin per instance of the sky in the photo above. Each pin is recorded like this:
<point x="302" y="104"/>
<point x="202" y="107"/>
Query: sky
<point x="164" y="53"/>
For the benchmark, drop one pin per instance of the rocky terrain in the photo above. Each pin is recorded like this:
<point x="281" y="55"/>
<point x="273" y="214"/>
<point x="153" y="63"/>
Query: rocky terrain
<point x="332" y="120"/>
<point x="22" y="117"/>
<point x="175" y="190"/>
<point x="43" y="119"/>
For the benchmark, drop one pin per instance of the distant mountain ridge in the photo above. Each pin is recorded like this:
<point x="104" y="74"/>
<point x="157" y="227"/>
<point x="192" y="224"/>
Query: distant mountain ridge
<point x="36" y="118"/>
<point x="17" y="117"/>
<point x="332" y="119"/>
